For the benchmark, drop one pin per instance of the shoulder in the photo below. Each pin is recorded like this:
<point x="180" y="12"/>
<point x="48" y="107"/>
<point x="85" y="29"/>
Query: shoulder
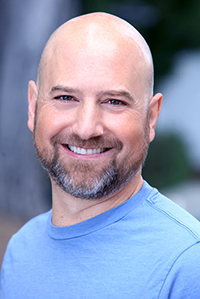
<point x="33" y="229"/>
<point x="35" y="223"/>
<point x="179" y="242"/>
<point x="182" y="280"/>
<point x="22" y="248"/>
<point x="173" y="216"/>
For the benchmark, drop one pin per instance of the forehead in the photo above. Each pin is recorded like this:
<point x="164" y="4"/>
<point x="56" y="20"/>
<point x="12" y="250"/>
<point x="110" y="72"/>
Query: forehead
<point x="93" y="53"/>
<point x="104" y="59"/>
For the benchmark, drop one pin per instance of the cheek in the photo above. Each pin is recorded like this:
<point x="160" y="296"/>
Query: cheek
<point x="129" y="125"/>
<point x="49" y="123"/>
<point x="130" y="132"/>
<point x="133" y="139"/>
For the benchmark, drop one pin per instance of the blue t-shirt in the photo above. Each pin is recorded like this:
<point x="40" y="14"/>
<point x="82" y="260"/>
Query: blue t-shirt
<point x="145" y="248"/>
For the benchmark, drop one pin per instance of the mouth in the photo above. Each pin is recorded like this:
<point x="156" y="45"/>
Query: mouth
<point x="83" y="151"/>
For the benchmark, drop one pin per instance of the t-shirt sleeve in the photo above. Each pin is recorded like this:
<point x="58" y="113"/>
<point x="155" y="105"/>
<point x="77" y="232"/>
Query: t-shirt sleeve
<point x="183" y="279"/>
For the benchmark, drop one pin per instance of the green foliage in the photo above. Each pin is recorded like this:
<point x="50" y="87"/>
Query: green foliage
<point x="97" y="5"/>
<point x="167" y="163"/>
<point x="177" y="28"/>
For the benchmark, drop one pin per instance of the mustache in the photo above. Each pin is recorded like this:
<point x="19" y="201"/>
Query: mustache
<point x="95" y="142"/>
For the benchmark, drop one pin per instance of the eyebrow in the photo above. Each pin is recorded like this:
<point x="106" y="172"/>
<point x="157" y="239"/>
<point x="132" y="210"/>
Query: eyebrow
<point x="64" y="89"/>
<point x="110" y="93"/>
<point x="120" y="93"/>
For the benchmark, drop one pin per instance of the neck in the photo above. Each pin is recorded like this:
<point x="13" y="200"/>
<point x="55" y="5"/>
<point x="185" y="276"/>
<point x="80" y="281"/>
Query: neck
<point x="68" y="210"/>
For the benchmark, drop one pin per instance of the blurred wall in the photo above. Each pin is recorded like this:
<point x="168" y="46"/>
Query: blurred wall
<point x="25" y="28"/>
<point x="181" y="104"/>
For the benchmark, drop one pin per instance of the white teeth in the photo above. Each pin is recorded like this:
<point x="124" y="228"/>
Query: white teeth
<point x="89" y="152"/>
<point x="83" y="151"/>
<point x="71" y="147"/>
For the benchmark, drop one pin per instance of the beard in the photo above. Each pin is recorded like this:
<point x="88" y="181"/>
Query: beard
<point x="87" y="179"/>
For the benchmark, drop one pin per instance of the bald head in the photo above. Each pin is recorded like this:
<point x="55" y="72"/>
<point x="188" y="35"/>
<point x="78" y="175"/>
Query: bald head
<point x="100" y="33"/>
<point x="95" y="97"/>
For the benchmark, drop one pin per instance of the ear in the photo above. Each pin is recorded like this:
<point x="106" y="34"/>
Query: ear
<point x="155" y="108"/>
<point x="32" y="103"/>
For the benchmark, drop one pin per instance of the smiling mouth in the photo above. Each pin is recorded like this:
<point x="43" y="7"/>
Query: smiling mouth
<point x="83" y="151"/>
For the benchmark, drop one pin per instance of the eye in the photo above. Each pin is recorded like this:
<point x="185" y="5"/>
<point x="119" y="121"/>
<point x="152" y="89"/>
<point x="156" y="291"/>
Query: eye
<point x="65" y="98"/>
<point x="116" y="102"/>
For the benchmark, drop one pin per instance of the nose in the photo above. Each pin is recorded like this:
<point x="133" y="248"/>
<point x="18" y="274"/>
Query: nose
<point x="88" y="121"/>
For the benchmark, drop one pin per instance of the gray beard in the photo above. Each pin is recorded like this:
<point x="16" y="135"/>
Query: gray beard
<point x="93" y="185"/>
<point x="111" y="178"/>
<point x="108" y="181"/>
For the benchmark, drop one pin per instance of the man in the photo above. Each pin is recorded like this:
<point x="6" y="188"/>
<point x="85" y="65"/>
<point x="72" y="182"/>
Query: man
<point x="109" y="234"/>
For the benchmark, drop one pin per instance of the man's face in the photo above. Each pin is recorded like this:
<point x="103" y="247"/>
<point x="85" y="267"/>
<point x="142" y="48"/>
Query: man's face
<point x="91" y="129"/>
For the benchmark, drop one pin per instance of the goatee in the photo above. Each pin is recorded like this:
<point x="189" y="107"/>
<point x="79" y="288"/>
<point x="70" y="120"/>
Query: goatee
<point x="86" y="179"/>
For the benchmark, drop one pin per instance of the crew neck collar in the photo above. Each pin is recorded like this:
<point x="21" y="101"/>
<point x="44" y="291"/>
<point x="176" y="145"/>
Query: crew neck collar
<point x="98" y="222"/>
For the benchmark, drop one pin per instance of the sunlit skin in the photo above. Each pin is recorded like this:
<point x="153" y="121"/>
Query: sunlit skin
<point x="93" y="86"/>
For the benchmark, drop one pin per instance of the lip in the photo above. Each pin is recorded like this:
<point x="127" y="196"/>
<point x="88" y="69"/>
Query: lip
<point x="87" y="156"/>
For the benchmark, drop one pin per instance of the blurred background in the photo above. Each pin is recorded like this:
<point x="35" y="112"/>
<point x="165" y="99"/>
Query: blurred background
<point x="172" y="30"/>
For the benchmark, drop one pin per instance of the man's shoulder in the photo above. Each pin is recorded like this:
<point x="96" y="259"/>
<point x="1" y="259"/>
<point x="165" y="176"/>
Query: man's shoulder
<point x="37" y="221"/>
<point x="173" y="215"/>
<point x="31" y="230"/>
